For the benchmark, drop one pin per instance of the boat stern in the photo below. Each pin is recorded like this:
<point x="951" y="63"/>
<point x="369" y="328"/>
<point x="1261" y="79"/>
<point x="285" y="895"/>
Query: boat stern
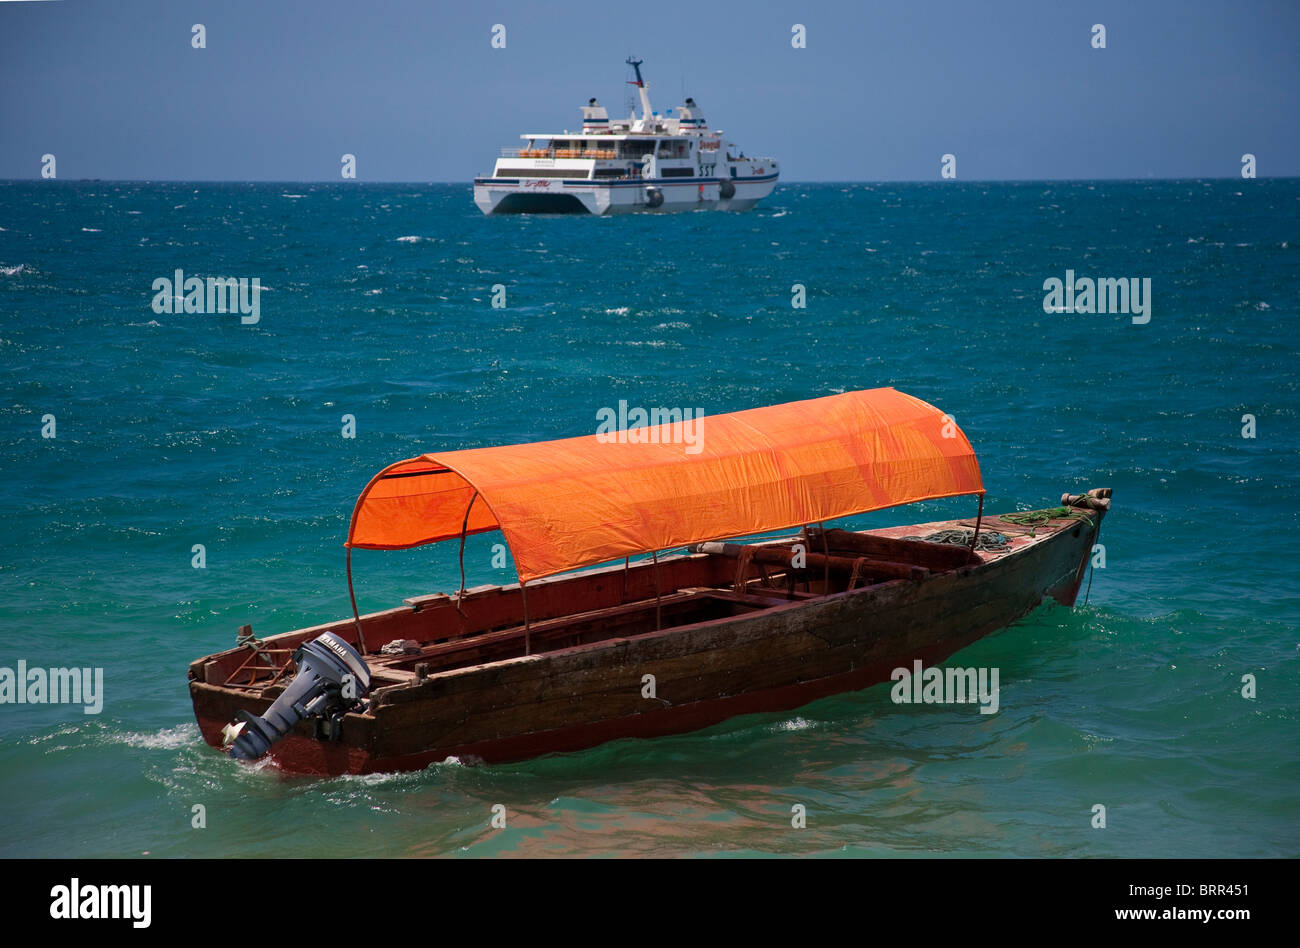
<point x="751" y="180"/>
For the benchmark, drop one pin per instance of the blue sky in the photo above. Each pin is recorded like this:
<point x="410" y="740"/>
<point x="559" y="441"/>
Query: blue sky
<point x="883" y="89"/>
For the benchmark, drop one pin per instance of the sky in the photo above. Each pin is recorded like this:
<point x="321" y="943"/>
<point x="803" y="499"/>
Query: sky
<point x="881" y="91"/>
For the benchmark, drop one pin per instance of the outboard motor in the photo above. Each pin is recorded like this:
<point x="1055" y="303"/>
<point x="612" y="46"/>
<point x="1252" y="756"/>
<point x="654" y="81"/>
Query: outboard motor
<point x="331" y="678"/>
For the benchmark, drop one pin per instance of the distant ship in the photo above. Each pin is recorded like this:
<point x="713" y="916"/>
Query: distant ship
<point x="669" y="162"/>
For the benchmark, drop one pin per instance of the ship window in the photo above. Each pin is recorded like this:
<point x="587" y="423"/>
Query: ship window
<point x="635" y="149"/>
<point x="676" y="172"/>
<point x="540" y="173"/>
<point x="733" y="172"/>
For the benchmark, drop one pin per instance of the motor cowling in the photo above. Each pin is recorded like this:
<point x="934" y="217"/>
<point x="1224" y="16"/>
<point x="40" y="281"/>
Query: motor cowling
<point x="332" y="678"/>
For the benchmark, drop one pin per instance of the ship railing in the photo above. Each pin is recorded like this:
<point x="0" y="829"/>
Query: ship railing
<point x="558" y="153"/>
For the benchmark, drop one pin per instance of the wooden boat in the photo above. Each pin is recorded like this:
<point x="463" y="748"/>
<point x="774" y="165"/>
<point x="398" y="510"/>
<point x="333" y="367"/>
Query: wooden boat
<point x="564" y="660"/>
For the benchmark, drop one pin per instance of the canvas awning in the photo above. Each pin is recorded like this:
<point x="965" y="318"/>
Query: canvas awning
<point x="572" y="503"/>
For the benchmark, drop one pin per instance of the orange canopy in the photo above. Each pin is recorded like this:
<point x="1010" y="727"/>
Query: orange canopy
<point x="579" y="501"/>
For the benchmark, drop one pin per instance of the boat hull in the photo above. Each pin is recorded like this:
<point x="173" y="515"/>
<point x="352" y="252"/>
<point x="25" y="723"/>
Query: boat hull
<point x="771" y="659"/>
<point x="583" y="196"/>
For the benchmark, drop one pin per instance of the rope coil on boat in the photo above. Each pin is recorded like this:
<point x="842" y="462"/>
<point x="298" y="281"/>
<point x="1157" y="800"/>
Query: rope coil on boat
<point x="988" y="542"/>
<point x="1033" y="519"/>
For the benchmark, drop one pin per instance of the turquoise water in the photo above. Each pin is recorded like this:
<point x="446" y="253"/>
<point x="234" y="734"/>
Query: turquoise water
<point x="175" y="430"/>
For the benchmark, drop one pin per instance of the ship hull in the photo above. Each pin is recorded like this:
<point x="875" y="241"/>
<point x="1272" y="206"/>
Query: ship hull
<point x="583" y="196"/>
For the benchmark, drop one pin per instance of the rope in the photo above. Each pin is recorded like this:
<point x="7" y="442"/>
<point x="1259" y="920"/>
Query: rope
<point x="1033" y="519"/>
<point x="858" y="572"/>
<point x="988" y="542"/>
<point x="253" y="642"/>
<point x="742" y="569"/>
<point x="1095" y="540"/>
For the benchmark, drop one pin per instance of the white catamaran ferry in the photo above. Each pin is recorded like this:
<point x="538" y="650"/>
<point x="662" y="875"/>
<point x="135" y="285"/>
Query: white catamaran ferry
<point x="670" y="162"/>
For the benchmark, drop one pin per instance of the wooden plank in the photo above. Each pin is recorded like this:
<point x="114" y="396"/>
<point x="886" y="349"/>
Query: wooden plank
<point x="935" y="556"/>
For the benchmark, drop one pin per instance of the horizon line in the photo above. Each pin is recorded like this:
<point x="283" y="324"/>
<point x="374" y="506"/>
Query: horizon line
<point x="469" y="183"/>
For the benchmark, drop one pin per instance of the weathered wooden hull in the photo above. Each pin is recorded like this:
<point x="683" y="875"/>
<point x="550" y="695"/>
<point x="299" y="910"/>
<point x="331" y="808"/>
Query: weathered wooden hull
<point x="773" y="658"/>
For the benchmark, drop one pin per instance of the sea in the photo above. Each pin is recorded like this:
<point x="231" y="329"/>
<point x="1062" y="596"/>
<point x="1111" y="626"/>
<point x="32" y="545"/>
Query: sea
<point x="171" y="476"/>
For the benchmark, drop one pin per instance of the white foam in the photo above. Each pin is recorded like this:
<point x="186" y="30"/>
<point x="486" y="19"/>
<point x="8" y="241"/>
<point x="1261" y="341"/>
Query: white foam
<point x="171" y="738"/>
<point x="795" y="724"/>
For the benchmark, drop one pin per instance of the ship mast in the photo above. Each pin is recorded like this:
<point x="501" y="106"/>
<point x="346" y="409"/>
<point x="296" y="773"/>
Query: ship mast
<point x="646" y="124"/>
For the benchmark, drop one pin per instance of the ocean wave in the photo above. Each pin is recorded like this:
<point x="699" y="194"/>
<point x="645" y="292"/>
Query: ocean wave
<point x="98" y="733"/>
